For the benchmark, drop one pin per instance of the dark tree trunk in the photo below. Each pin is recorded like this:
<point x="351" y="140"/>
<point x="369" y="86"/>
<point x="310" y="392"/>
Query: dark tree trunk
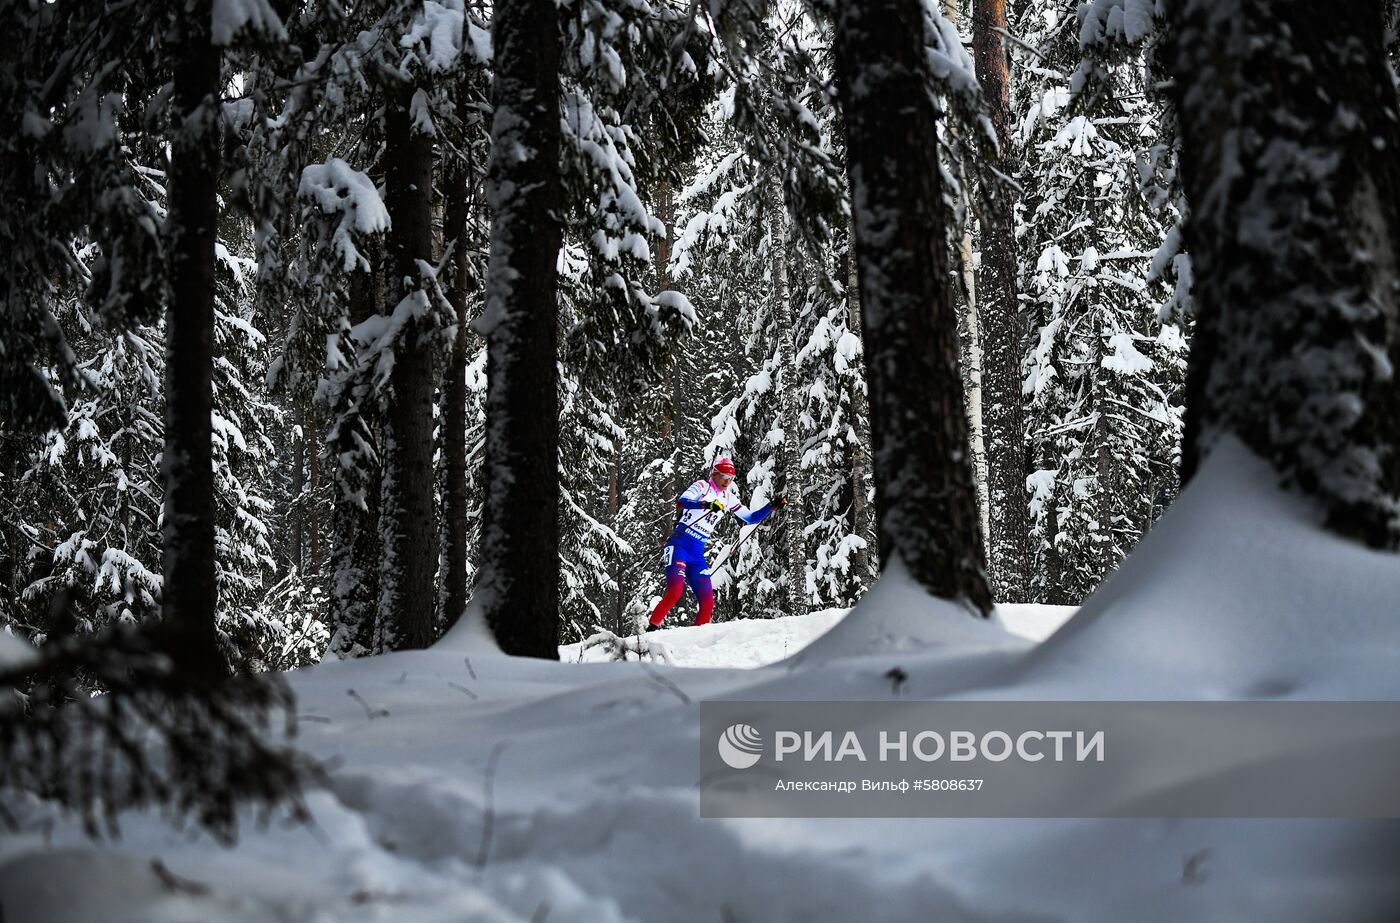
<point x="298" y="492"/>
<point x="673" y="428"/>
<point x="614" y="507"/>
<point x="518" y="589"/>
<point x="663" y="246"/>
<point x="355" y="549"/>
<point x="925" y="500"/>
<point x="312" y="510"/>
<point x="862" y="523"/>
<point x="789" y="453"/>
<point x="1053" y="567"/>
<point x="1289" y="132"/>
<point x="407" y="514"/>
<point x="454" y="418"/>
<point x="1000" y="329"/>
<point x="1104" y="554"/>
<point x="189" y="593"/>
<point x="970" y="345"/>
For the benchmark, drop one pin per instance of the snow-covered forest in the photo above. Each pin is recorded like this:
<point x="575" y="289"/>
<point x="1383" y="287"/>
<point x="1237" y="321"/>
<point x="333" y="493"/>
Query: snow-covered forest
<point x="348" y="346"/>
<point x="707" y="306"/>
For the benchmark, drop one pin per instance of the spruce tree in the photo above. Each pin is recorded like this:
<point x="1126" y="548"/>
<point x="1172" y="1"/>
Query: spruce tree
<point x="189" y="589"/>
<point x="926" y="502"/>
<point x="1288" y="123"/>
<point x="408" y="599"/>
<point x="517" y="591"/>
<point x="464" y="234"/>
<point x="1107" y="333"/>
<point x="999" y="324"/>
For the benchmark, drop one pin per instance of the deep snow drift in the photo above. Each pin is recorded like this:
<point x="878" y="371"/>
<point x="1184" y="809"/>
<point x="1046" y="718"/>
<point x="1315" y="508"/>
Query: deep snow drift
<point x="760" y="642"/>
<point x="472" y="786"/>
<point x="1236" y="594"/>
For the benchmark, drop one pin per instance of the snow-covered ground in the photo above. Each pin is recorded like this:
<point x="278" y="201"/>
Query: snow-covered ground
<point x="472" y="786"/>
<point x="760" y="642"/>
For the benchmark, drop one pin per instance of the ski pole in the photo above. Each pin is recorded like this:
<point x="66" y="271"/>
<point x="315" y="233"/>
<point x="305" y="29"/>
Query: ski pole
<point x="746" y="538"/>
<point x="729" y="552"/>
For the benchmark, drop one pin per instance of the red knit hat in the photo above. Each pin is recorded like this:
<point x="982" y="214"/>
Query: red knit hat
<point x="723" y="466"/>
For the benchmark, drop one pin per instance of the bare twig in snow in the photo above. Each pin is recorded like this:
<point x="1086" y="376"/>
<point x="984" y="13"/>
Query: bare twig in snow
<point x="174" y="884"/>
<point x="371" y="713"/>
<point x="665" y="683"/>
<point x="489" y="815"/>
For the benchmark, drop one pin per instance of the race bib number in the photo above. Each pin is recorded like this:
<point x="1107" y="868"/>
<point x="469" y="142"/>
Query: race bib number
<point x="668" y="554"/>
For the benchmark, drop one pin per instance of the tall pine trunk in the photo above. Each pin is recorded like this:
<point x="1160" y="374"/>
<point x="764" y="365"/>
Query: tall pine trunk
<point x="617" y="562"/>
<point x="518" y="588"/>
<point x="454" y="418"/>
<point x="355" y="550"/>
<point x="1289" y="132"/>
<point x="299" y="492"/>
<point x="1000" y="329"/>
<point x="1053" y="569"/>
<point x="313" y="512"/>
<point x="970" y="346"/>
<point x="789" y="453"/>
<point x="674" y="427"/>
<point x="407" y="514"/>
<point x="970" y="354"/>
<point x="190" y="593"/>
<point x="925" y="500"/>
<point x="862" y="522"/>
<point x="663" y="245"/>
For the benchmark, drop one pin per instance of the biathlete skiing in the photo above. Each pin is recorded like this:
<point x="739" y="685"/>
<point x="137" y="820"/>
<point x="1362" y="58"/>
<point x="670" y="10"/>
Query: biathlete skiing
<point x="699" y="510"/>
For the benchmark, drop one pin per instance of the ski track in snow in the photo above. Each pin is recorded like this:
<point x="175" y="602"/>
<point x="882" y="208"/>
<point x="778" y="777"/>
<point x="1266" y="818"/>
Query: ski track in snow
<point x="592" y="812"/>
